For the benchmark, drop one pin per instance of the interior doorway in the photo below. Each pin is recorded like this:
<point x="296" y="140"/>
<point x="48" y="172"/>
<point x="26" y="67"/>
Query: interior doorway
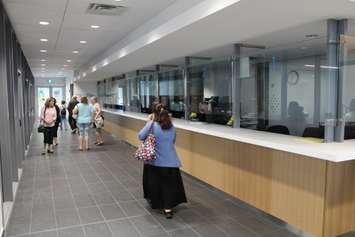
<point x="44" y="92"/>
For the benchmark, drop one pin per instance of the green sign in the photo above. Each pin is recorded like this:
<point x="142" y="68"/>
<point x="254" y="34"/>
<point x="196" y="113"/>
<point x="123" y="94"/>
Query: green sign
<point x="49" y="81"/>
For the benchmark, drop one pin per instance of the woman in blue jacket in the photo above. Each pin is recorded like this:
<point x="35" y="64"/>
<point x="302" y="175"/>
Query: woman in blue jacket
<point x="162" y="182"/>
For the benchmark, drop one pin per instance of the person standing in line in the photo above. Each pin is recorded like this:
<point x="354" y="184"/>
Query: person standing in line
<point x="48" y="119"/>
<point x="84" y="113"/>
<point x="98" y="121"/>
<point x="63" y="115"/>
<point x="162" y="183"/>
<point x="57" y="123"/>
<point x="72" y="121"/>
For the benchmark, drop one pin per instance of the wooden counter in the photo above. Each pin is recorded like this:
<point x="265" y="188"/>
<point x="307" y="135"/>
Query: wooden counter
<point x="315" y="195"/>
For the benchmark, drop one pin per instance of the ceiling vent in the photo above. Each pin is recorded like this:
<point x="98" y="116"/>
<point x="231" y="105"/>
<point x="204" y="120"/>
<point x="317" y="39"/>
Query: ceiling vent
<point x="105" y="9"/>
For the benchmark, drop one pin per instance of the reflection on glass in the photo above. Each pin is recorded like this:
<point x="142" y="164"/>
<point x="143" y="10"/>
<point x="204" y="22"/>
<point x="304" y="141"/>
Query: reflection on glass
<point x="43" y="94"/>
<point x="283" y="90"/>
<point x="148" y="92"/>
<point x="171" y="92"/>
<point x="348" y="72"/>
<point x="210" y="90"/>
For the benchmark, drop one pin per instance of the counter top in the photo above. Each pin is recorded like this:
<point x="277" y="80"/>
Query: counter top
<point x="335" y="152"/>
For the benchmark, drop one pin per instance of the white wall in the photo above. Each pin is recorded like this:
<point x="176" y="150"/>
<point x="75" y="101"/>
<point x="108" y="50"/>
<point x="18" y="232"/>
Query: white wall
<point x="88" y="88"/>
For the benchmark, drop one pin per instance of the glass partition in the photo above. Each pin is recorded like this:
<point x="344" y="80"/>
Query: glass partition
<point x="147" y="92"/>
<point x="282" y="88"/>
<point x="210" y="92"/>
<point x="299" y="87"/>
<point x="171" y="92"/>
<point x="347" y="70"/>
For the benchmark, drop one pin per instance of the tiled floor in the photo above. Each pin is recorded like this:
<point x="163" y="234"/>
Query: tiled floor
<point x="99" y="194"/>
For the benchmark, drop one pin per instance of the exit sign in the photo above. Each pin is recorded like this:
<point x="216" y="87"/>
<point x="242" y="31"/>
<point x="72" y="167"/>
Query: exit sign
<point x="49" y="81"/>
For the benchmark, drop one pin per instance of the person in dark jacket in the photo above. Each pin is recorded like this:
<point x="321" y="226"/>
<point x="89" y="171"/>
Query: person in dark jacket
<point x="57" y="122"/>
<point x="163" y="187"/>
<point x="71" y="106"/>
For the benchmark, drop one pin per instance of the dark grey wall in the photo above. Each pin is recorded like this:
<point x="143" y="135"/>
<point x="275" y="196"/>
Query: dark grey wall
<point x="16" y="107"/>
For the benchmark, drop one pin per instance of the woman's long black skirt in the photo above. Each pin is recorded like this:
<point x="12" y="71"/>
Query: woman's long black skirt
<point x="163" y="187"/>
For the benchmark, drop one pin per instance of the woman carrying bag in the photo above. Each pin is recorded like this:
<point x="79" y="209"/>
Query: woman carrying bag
<point x="48" y="119"/>
<point x="162" y="182"/>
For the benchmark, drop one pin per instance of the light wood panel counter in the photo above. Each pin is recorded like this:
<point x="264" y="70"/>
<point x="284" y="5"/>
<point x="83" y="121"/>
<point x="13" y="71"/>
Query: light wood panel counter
<point x="308" y="185"/>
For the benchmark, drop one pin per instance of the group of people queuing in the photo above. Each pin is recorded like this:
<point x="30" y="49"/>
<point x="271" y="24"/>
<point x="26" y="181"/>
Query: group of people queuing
<point x="81" y="117"/>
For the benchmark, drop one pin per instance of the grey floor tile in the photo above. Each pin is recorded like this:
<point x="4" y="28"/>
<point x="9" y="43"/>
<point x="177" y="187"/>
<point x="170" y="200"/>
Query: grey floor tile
<point x="84" y="200"/>
<point x="191" y="217"/>
<point x="133" y="208"/>
<point x="43" y="219"/>
<point x="123" y="228"/>
<point x="104" y="198"/>
<point x="90" y="215"/>
<point x="95" y="230"/>
<point x="256" y="225"/>
<point x="210" y="230"/>
<point x="71" y="232"/>
<point x="52" y="233"/>
<point x="19" y="225"/>
<point x="169" y="224"/>
<point x="110" y="174"/>
<point x="147" y="226"/>
<point x="67" y="217"/>
<point x="233" y="228"/>
<point x="64" y="202"/>
<point x="184" y="233"/>
<point x="122" y="195"/>
<point x="111" y="212"/>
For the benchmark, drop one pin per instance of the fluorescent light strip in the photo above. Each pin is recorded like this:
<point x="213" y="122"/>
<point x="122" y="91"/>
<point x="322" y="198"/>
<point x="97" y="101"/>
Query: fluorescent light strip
<point x="324" y="67"/>
<point x="44" y="23"/>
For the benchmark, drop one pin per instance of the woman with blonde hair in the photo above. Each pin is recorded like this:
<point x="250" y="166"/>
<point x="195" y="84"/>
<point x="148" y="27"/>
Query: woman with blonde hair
<point x="48" y="119"/>
<point x="98" y="121"/>
<point x="84" y="113"/>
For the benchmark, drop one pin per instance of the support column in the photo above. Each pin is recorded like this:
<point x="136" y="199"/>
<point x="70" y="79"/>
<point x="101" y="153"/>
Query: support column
<point x="334" y="123"/>
<point x="317" y="90"/>
<point x="187" y="99"/>
<point x="236" y="86"/>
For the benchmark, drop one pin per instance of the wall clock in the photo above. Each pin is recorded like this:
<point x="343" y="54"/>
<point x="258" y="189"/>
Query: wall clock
<point x="293" y="77"/>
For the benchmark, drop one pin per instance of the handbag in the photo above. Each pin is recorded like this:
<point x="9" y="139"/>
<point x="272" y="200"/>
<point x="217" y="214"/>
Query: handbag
<point x="146" y="151"/>
<point x="41" y="128"/>
<point x="99" y="122"/>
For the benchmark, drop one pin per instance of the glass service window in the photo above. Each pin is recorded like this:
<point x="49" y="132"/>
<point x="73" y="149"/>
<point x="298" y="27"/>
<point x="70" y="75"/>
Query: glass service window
<point x="210" y="92"/>
<point x="171" y="92"/>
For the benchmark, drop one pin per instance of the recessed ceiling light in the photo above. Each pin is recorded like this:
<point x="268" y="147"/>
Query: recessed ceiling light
<point x="75" y="51"/>
<point x="65" y="65"/>
<point x="69" y="60"/>
<point x="95" y="26"/>
<point x="352" y="1"/>
<point x="83" y="42"/>
<point x="44" y="23"/>
<point x="44" y="40"/>
<point x="43" y="65"/>
<point x="43" y="60"/>
<point x="43" y="51"/>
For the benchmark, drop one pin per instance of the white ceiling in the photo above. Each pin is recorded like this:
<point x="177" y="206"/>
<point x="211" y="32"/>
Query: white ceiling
<point x="69" y="24"/>
<point x="261" y="22"/>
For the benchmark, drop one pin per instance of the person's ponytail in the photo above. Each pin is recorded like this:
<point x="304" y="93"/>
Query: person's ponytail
<point x="162" y="116"/>
<point x="165" y="120"/>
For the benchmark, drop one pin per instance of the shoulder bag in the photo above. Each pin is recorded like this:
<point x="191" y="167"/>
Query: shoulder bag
<point x="41" y="128"/>
<point x="146" y="151"/>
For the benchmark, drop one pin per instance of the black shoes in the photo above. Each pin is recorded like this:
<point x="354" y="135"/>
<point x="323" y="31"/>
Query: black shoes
<point x="168" y="214"/>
